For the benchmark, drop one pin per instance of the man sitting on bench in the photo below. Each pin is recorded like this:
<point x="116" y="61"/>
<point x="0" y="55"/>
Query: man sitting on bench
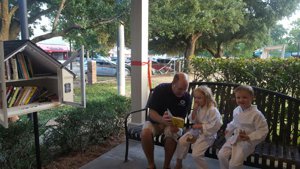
<point x="166" y="96"/>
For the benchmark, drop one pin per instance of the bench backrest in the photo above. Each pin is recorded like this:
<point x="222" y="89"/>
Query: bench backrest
<point x="281" y="111"/>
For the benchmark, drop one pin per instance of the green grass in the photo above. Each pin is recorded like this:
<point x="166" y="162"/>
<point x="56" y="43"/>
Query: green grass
<point x="98" y="92"/>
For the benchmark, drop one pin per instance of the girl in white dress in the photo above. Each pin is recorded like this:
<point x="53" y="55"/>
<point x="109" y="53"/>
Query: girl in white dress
<point x="206" y="121"/>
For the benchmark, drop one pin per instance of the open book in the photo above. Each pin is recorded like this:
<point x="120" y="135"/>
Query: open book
<point x="176" y="121"/>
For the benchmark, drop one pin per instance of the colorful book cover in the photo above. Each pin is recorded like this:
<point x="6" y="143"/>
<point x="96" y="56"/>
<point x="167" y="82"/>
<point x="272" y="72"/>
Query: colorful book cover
<point x="11" y="95"/>
<point x="35" y="95"/>
<point x="33" y="89"/>
<point x="19" y="68"/>
<point x="14" y="66"/>
<point x="8" y="70"/>
<point x="23" y="66"/>
<point x="14" y="97"/>
<point x="29" y="66"/>
<point x="19" y="96"/>
<point x="26" y="94"/>
<point x="8" y="92"/>
<point x="25" y="89"/>
<point x="178" y="122"/>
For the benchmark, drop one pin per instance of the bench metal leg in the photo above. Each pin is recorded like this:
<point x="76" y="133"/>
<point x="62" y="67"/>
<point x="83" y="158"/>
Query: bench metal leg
<point x="126" y="149"/>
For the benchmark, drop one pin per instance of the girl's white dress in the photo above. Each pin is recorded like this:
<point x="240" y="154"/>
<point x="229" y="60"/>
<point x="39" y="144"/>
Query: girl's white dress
<point x="211" y="121"/>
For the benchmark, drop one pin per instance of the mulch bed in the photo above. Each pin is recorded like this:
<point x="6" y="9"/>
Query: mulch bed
<point x="75" y="160"/>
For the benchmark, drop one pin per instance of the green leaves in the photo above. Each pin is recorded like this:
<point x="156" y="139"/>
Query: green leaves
<point x="281" y="75"/>
<point x="223" y="25"/>
<point x="74" y="129"/>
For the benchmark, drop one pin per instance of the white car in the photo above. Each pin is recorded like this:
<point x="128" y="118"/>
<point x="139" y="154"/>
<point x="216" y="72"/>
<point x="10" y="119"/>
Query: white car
<point x="103" y="68"/>
<point x="108" y="68"/>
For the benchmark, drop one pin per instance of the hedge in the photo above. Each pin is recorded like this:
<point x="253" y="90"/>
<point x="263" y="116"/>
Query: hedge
<point x="281" y="75"/>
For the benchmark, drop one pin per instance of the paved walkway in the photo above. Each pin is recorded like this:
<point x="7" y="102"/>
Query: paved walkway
<point x="114" y="159"/>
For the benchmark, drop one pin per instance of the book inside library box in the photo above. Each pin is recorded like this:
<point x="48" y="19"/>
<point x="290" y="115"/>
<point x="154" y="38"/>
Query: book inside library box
<point x="26" y="53"/>
<point x="33" y="79"/>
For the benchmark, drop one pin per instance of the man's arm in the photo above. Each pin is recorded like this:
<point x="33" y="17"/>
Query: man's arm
<point x="165" y="119"/>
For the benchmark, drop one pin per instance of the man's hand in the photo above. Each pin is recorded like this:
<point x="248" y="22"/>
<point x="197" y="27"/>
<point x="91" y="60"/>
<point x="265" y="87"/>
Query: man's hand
<point x="167" y="119"/>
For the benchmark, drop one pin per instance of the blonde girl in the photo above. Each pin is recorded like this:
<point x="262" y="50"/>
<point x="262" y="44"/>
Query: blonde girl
<point x="206" y="121"/>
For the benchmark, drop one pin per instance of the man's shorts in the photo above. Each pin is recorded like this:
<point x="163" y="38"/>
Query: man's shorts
<point x="158" y="129"/>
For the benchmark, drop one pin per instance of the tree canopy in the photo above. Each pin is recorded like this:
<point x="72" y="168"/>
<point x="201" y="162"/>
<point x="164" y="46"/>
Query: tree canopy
<point x="87" y="20"/>
<point x="295" y="32"/>
<point x="176" y="26"/>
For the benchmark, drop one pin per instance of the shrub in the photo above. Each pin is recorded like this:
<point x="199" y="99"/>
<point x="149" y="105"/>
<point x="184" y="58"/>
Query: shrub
<point x="17" y="146"/>
<point x="281" y="75"/>
<point x="74" y="129"/>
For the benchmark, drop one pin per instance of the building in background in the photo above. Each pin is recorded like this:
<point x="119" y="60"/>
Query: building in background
<point x="57" y="51"/>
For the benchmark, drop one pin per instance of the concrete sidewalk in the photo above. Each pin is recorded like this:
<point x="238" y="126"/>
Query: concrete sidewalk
<point x="114" y="159"/>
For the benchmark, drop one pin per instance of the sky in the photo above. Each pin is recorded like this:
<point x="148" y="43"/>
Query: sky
<point x="286" y="22"/>
<point x="38" y="31"/>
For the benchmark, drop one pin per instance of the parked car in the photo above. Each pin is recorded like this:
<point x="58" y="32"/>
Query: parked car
<point x="103" y="68"/>
<point x="108" y="68"/>
<point x="115" y="59"/>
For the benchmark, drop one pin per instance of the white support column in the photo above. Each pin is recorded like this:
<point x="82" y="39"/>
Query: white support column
<point x="139" y="56"/>
<point x="121" y="60"/>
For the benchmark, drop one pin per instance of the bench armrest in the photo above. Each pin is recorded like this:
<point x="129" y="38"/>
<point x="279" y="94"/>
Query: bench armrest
<point x="127" y="116"/>
<point x="136" y="111"/>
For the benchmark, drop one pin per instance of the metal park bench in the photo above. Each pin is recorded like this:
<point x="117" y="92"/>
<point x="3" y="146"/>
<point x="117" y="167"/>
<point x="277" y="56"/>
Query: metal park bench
<point x="282" y="145"/>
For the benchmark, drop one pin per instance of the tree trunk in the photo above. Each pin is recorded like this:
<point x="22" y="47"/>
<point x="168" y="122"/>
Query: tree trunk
<point x="220" y="51"/>
<point x="6" y="20"/>
<point x="14" y="30"/>
<point x="216" y="52"/>
<point x="190" y="51"/>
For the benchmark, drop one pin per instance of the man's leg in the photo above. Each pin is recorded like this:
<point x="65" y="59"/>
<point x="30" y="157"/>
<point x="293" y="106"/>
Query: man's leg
<point x="170" y="147"/>
<point x="178" y="164"/>
<point x="148" y="146"/>
<point x="149" y="130"/>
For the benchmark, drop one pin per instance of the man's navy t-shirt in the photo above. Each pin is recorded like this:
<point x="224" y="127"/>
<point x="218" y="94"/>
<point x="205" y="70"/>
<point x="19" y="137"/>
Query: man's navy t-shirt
<point x="163" y="98"/>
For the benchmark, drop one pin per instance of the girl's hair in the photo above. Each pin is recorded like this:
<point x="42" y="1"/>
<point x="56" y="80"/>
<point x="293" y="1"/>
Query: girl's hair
<point x="210" y="100"/>
<point x="246" y="88"/>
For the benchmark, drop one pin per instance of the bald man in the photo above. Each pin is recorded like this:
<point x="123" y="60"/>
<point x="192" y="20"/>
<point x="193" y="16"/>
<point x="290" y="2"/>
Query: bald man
<point x="166" y="96"/>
